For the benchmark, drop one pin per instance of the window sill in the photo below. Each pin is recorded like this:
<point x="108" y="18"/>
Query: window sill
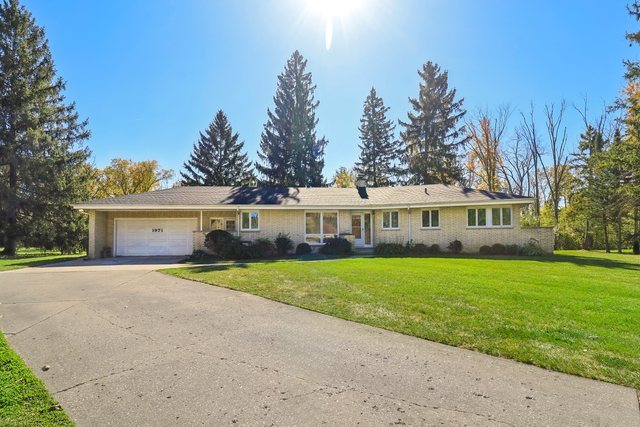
<point x="430" y="228"/>
<point x="252" y="230"/>
<point x="390" y="229"/>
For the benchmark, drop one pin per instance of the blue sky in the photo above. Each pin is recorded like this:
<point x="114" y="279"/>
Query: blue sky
<point x="150" y="75"/>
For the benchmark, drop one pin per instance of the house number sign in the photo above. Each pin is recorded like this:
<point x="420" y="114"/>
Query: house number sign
<point x="157" y="230"/>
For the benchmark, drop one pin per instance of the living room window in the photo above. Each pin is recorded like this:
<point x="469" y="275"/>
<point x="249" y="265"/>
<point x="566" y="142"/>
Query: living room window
<point x="390" y="220"/>
<point x="249" y="221"/>
<point x="320" y="225"/>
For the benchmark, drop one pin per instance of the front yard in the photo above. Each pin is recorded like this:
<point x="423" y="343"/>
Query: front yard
<point x="23" y="399"/>
<point x="574" y="312"/>
<point x="32" y="258"/>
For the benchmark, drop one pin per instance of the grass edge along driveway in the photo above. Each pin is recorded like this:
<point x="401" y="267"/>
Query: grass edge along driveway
<point x="573" y="312"/>
<point x="27" y="258"/>
<point x="24" y="401"/>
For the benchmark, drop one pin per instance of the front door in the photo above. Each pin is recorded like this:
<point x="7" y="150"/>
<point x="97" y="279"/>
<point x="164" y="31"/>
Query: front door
<point x="361" y="229"/>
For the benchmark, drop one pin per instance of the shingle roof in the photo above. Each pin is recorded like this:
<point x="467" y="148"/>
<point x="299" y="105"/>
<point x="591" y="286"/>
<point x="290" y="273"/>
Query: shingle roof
<point x="414" y="195"/>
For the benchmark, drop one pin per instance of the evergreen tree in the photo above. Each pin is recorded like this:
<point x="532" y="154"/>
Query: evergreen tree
<point x="432" y="136"/>
<point x="218" y="157"/>
<point x="290" y="153"/>
<point x="379" y="150"/>
<point x="41" y="139"/>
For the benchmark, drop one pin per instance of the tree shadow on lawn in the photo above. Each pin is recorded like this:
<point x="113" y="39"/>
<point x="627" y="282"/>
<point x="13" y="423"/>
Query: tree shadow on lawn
<point x="588" y="261"/>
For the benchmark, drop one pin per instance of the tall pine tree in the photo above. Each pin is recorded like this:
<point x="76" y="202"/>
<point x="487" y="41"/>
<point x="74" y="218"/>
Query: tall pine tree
<point x="291" y="154"/>
<point x="432" y="136"/>
<point x="379" y="150"/>
<point x="42" y="155"/>
<point x="218" y="157"/>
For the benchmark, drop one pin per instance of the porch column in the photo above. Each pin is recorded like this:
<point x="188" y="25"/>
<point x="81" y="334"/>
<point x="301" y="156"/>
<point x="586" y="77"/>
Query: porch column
<point x="200" y="225"/>
<point x="409" y="221"/>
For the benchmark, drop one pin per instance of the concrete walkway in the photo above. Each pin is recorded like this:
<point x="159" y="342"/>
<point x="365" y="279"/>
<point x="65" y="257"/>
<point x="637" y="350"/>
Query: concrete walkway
<point x="129" y="346"/>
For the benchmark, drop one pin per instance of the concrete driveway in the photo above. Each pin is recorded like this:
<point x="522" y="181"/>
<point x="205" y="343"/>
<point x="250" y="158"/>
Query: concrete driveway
<point x="129" y="346"/>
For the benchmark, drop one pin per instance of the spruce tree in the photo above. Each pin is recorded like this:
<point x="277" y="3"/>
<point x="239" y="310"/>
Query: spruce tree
<point x="432" y="136"/>
<point x="291" y="154"/>
<point x="41" y="140"/>
<point x="379" y="150"/>
<point x="218" y="157"/>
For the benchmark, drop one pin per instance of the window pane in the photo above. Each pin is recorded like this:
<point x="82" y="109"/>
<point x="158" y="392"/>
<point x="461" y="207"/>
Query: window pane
<point x="330" y="223"/>
<point x="245" y="220"/>
<point x="254" y="221"/>
<point x="386" y="223"/>
<point x="506" y="216"/>
<point x="231" y="225"/>
<point x="471" y="217"/>
<point x="313" y="223"/>
<point x="495" y="216"/>
<point x="482" y="217"/>
<point x="394" y="219"/>
<point x="425" y="219"/>
<point x="435" y="218"/>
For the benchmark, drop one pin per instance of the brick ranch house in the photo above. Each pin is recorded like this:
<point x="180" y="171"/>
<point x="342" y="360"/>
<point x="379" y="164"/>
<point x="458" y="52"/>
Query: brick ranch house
<point x="174" y="221"/>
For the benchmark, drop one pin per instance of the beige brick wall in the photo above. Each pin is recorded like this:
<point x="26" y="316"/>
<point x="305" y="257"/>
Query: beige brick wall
<point x="453" y="225"/>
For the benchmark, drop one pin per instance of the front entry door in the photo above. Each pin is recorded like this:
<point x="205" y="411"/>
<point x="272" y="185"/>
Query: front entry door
<point x="361" y="229"/>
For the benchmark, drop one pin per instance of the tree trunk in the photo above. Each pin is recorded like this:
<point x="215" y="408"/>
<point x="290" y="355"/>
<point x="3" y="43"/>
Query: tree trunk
<point x="636" y="221"/>
<point x="606" y="233"/>
<point x="11" y="233"/>
<point x="585" y="241"/>
<point x="619" y="232"/>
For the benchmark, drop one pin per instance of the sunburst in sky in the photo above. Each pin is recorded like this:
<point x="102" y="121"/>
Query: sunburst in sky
<point x="332" y="10"/>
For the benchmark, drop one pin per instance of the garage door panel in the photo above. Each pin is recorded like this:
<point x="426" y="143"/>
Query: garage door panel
<point x="147" y="237"/>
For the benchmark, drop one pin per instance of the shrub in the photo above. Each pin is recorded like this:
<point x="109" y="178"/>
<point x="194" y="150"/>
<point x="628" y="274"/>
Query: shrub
<point x="434" y="249"/>
<point x="511" y="249"/>
<point x="485" y="250"/>
<point x="217" y="240"/>
<point x="389" y="249"/>
<point x="336" y="246"/>
<point x="455" y="247"/>
<point x="636" y="247"/>
<point x="498" y="249"/>
<point x="532" y="249"/>
<point x="420" y="249"/>
<point x="283" y="244"/>
<point x="262" y="248"/>
<point x="198" y="254"/>
<point x="303" y="249"/>
<point x="236" y="249"/>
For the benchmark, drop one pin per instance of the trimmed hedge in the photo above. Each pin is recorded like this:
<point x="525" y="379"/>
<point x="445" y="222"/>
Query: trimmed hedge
<point x="485" y="250"/>
<point x="455" y="247"/>
<point x="336" y="246"/>
<point x="283" y="244"/>
<point x="498" y="249"/>
<point x="389" y="249"/>
<point x="217" y="240"/>
<point x="303" y="248"/>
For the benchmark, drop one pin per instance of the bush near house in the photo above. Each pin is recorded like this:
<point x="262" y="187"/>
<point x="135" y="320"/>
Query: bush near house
<point x="217" y="241"/>
<point x="283" y="244"/>
<point x="303" y="249"/>
<point x="455" y="247"/>
<point x="389" y="249"/>
<point x="485" y="250"/>
<point x="498" y="249"/>
<point x="336" y="246"/>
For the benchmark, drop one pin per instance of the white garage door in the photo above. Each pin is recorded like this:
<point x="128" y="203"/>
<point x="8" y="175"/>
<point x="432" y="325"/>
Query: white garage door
<point x="146" y="237"/>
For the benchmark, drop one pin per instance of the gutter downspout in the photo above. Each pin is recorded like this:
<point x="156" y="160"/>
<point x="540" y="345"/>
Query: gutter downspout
<point x="409" y="219"/>
<point x="238" y="222"/>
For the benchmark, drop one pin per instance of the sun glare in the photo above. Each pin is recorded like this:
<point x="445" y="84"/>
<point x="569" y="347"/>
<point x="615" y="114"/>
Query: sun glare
<point x="332" y="10"/>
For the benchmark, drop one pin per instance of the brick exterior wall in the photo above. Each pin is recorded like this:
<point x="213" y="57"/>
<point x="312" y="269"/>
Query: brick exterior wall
<point x="453" y="225"/>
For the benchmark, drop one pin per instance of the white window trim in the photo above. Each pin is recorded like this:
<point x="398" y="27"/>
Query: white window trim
<point x="422" y="227"/>
<point x="322" y="233"/>
<point x="226" y="220"/>
<point x="489" y="217"/>
<point x="250" y="229"/>
<point x="382" y="227"/>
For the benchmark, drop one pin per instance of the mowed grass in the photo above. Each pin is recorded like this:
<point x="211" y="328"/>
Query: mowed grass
<point x="574" y="312"/>
<point x="30" y="257"/>
<point x="23" y="399"/>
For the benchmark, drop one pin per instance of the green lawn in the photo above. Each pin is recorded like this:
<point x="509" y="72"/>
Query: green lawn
<point x="574" y="312"/>
<point x="23" y="399"/>
<point x="30" y="257"/>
